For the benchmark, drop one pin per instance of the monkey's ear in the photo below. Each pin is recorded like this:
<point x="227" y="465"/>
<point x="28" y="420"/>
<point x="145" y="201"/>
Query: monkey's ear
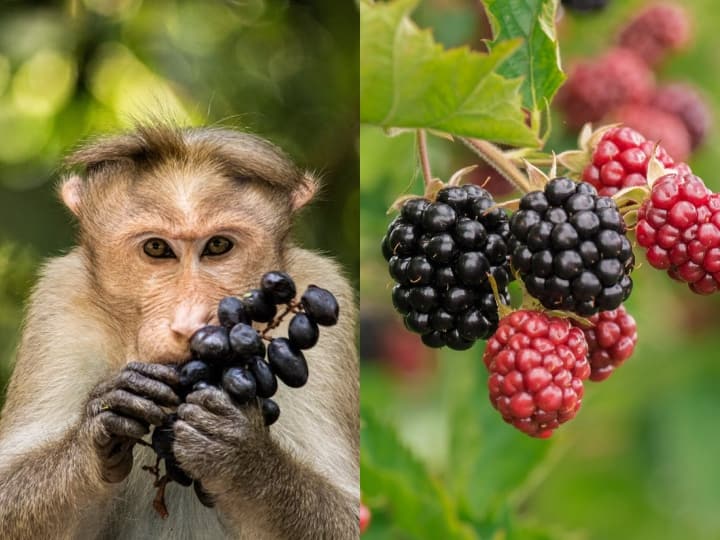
<point x="304" y="191"/>
<point x="71" y="193"/>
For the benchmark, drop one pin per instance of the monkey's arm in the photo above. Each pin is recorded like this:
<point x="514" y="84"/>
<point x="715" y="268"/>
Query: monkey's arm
<point x="62" y="442"/>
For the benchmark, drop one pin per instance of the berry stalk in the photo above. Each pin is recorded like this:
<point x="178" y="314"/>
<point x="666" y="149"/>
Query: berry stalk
<point x="423" y="156"/>
<point x="495" y="157"/>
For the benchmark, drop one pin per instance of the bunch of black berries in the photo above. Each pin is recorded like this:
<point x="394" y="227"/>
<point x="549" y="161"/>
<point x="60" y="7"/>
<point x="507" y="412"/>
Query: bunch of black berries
<point x="440" y="254"/>
<point x="232" y="356"/>
<point x="570" y="248"/>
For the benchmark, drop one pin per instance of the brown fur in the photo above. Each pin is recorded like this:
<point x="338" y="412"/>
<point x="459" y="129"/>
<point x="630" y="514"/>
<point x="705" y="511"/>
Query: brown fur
<point x="103" y="305"/>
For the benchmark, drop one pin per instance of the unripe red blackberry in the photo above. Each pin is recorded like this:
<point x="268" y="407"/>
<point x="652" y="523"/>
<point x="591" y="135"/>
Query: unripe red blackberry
<point x="611" y="340"/>
<point x="537" y="366"/>
<point x="657" y="31"/>
<point x="688" y="105"/>
<point x="365" y="517"/>
<point x="570" y="248"/>
<point x="596" y="87"/>
<point x="440" y="254"/>
<point x="620" y="159"/>
<point x="679" y="226"/>
<point x="656" y="125"/>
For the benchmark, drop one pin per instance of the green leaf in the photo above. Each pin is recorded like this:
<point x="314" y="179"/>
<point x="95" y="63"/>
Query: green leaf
<point x="537" y="60"/>
<point x="407" y="80"/>
<point x="490" y="460"/>
<point x="393" y="475"/>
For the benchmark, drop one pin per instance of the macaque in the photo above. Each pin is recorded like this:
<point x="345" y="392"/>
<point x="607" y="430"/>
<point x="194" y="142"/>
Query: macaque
<point x="170" y="221"/>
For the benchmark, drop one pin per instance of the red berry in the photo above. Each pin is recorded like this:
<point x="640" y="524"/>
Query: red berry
<point x="611" y="340"/>
<point x="620" y="160"/>
<point x="537" y="367"/>
<point x="365" y="518"/>
<point x="679" y="225"/>
<point x="656" y="31"/>
<point x="656" y="125"/>
<point x="688" y="105"/>
<point x="594" y="88"/>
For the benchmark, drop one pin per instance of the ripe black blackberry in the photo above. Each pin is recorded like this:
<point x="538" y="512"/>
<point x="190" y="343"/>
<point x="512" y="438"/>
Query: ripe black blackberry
<point x="585" y="5"/>
<point x="570" y="248"/>
<point x="440" y="254"/>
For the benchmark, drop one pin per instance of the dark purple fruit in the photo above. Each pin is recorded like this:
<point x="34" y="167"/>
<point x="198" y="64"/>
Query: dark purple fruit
<point x="193" y="372"/>
<point x="279" y="286"/>
<point x="231" y="311"/>
<point x="265" y="381"/>
<point x="175" y="473"/>
<point x="303" y="333"/>
<point x="210" y="343"/>
<point x="270" y="411"/>
<point x="163" y="437"/>
<point x="239" y="384"/>
<point x="246" y="342"/>
<point x="259" y="306"/>
<point x="320" y="305"/>
<point x="287" y="362"/>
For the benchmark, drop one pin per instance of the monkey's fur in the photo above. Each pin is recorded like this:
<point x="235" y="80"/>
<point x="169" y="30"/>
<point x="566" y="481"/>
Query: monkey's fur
<point x="78" y="396"/>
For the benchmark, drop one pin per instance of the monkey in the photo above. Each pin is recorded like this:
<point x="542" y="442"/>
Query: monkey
<point x="169" y="221"/>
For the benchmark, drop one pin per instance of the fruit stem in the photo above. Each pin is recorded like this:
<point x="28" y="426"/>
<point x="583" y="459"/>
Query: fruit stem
<point x="498" y="161"/>
<point x="292" y="307"/>
<point x="423" y="155"/>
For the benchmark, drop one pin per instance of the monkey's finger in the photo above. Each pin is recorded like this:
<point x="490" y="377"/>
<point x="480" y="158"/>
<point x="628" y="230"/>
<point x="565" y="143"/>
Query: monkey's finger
<point x="143" y="386"/>
<point x="160" y="372"/>
<point x="115" y="425"/>
<point x="202" y="420"/>
<point x="191" y="447"/>
<point x="136" y="407"/>
<point x="213" y="400"/>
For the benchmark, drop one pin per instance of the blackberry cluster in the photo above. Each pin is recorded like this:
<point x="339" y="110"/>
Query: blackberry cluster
<point x="232" y="355"/>
<point x="570" y="248"/>
<point x="440" y="254"/>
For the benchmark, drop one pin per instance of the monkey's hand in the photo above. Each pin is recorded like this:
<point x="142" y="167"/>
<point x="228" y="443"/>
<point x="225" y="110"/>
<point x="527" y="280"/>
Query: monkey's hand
<point x="215" y="438"/>
<point x="120" y="411"/>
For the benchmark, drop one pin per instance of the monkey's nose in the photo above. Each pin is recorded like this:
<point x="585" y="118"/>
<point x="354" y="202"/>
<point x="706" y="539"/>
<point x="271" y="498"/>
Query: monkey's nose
<point x="189" y="318"/>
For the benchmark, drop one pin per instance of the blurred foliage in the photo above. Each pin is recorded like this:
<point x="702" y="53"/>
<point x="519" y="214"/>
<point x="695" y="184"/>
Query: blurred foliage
<point x="639" y="460"/>
<point x="287" y="70"/>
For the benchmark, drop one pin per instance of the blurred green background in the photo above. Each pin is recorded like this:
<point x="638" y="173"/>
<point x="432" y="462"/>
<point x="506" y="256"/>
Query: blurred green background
<point x="69" y="70"/>
<point x="640" y="461"/>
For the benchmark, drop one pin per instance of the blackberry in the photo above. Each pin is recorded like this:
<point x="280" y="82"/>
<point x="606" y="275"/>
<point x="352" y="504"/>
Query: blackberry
<point x="570" y="248"/>
<point x="440" y="254"/>
<point x="585" y="5"/>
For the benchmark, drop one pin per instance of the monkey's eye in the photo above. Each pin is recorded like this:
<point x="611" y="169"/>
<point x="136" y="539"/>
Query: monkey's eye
<point x="158" y="249"/>
<point x="217" y="245"/>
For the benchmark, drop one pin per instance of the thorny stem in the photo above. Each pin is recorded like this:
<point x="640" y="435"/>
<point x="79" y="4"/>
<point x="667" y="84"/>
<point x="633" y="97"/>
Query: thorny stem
<point x="423" y="155"/>
<point x="502" y="164"/>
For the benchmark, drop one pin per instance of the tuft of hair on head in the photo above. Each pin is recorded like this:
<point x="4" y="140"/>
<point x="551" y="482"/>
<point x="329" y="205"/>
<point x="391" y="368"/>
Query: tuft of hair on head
<point x="239" y="155"/>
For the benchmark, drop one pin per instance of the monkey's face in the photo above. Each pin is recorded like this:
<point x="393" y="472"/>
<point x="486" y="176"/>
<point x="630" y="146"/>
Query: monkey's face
<point x="167" y="248"/>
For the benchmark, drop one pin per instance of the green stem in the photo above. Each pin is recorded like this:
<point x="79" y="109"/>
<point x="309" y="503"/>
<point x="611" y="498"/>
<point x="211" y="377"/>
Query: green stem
<point x="498" y="161"/>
